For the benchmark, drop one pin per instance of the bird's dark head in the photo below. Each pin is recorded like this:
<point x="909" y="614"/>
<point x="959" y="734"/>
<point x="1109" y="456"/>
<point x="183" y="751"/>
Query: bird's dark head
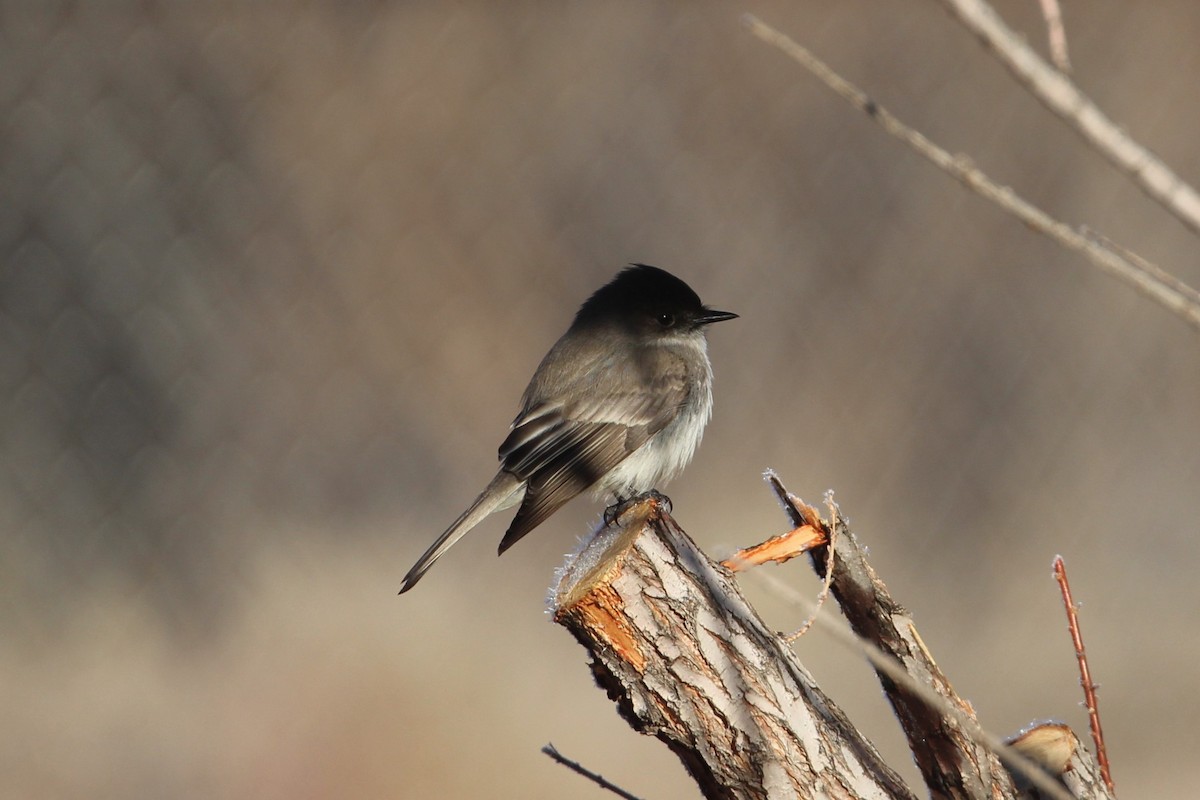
<point x="648" y="300"/>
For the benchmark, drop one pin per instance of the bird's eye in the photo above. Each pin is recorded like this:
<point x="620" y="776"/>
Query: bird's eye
<point x="666" y="319"/>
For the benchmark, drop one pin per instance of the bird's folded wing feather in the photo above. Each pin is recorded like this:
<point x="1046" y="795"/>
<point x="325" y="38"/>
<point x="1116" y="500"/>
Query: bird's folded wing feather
<point x="561" y="450"/>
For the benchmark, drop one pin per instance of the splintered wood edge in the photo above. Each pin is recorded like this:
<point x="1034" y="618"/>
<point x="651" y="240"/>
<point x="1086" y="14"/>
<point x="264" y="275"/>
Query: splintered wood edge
<point x="585" y="594"/>
<point x="739" y="709"/>
<point x="1058" y="750"/>
<point x="1049" y="744"/>
<point x="601" y="558"/>
<point x="779" y="549"/>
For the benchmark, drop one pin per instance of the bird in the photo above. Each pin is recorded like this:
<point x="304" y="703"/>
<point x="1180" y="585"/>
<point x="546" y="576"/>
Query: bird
<point x="618" y="405"/>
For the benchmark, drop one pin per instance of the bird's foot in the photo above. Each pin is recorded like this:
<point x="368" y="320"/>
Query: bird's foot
<point x="614" y="512"/>
<point x="660" y="498"/>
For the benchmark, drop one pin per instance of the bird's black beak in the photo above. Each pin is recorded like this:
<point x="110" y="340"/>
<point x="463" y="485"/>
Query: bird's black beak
<point x="711" y="315"/>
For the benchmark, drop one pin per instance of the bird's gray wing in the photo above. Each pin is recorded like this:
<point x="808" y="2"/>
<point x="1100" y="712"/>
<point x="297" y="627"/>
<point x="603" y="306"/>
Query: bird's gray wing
<point x="562" y="449"/>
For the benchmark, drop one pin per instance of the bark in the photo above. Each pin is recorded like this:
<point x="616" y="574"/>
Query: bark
<point x="686" y="659"/>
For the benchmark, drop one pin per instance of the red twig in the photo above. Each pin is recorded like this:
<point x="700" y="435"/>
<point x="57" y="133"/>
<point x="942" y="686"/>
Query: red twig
<point x="1085" y="674"/>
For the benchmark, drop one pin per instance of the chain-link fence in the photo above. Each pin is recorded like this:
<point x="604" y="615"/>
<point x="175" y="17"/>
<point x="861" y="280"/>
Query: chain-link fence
<point x="273" y="278"/>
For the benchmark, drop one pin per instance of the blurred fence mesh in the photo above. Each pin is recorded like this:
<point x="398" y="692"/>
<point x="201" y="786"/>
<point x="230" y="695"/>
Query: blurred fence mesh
<point x="132" y="310"/>
<point x="176" y="348"/>
<point x="269" y="268"/>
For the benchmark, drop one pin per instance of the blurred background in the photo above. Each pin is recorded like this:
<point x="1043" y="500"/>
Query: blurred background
<point x="272" y="280"/>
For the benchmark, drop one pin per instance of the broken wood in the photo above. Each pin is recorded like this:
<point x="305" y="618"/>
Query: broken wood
<point x="686" y="659"/>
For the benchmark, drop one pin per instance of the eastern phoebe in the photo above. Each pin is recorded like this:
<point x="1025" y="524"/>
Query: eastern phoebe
<point x="619" y="404"/>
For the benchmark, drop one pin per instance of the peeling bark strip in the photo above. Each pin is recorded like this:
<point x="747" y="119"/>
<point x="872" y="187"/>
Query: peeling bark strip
<point x="687" y="660"/>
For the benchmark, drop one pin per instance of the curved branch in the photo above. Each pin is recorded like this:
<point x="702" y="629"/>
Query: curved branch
<point x="1148" y="279"/>
<point x="1056" y="91"/>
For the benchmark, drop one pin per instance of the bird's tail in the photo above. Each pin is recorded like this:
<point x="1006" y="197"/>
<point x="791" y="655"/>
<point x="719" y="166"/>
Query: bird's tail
<point x="505" y="490"/>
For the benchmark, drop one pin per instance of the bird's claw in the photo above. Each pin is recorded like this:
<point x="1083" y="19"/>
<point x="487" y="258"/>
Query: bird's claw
<point x="614" y="512"/>
<point x="659" y="498"/>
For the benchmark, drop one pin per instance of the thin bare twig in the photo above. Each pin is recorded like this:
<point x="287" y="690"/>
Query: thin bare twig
<point x="1145" y="280"/>
<point x="1085" y="673"/>
<point x="1151" y="269"/>
<point x="1056" y="33"/>
<point x="1056" y="91"/>
<point x="575" y="766"/>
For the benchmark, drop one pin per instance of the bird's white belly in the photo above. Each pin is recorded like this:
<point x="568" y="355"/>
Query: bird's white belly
<point x="666" y="453"/>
